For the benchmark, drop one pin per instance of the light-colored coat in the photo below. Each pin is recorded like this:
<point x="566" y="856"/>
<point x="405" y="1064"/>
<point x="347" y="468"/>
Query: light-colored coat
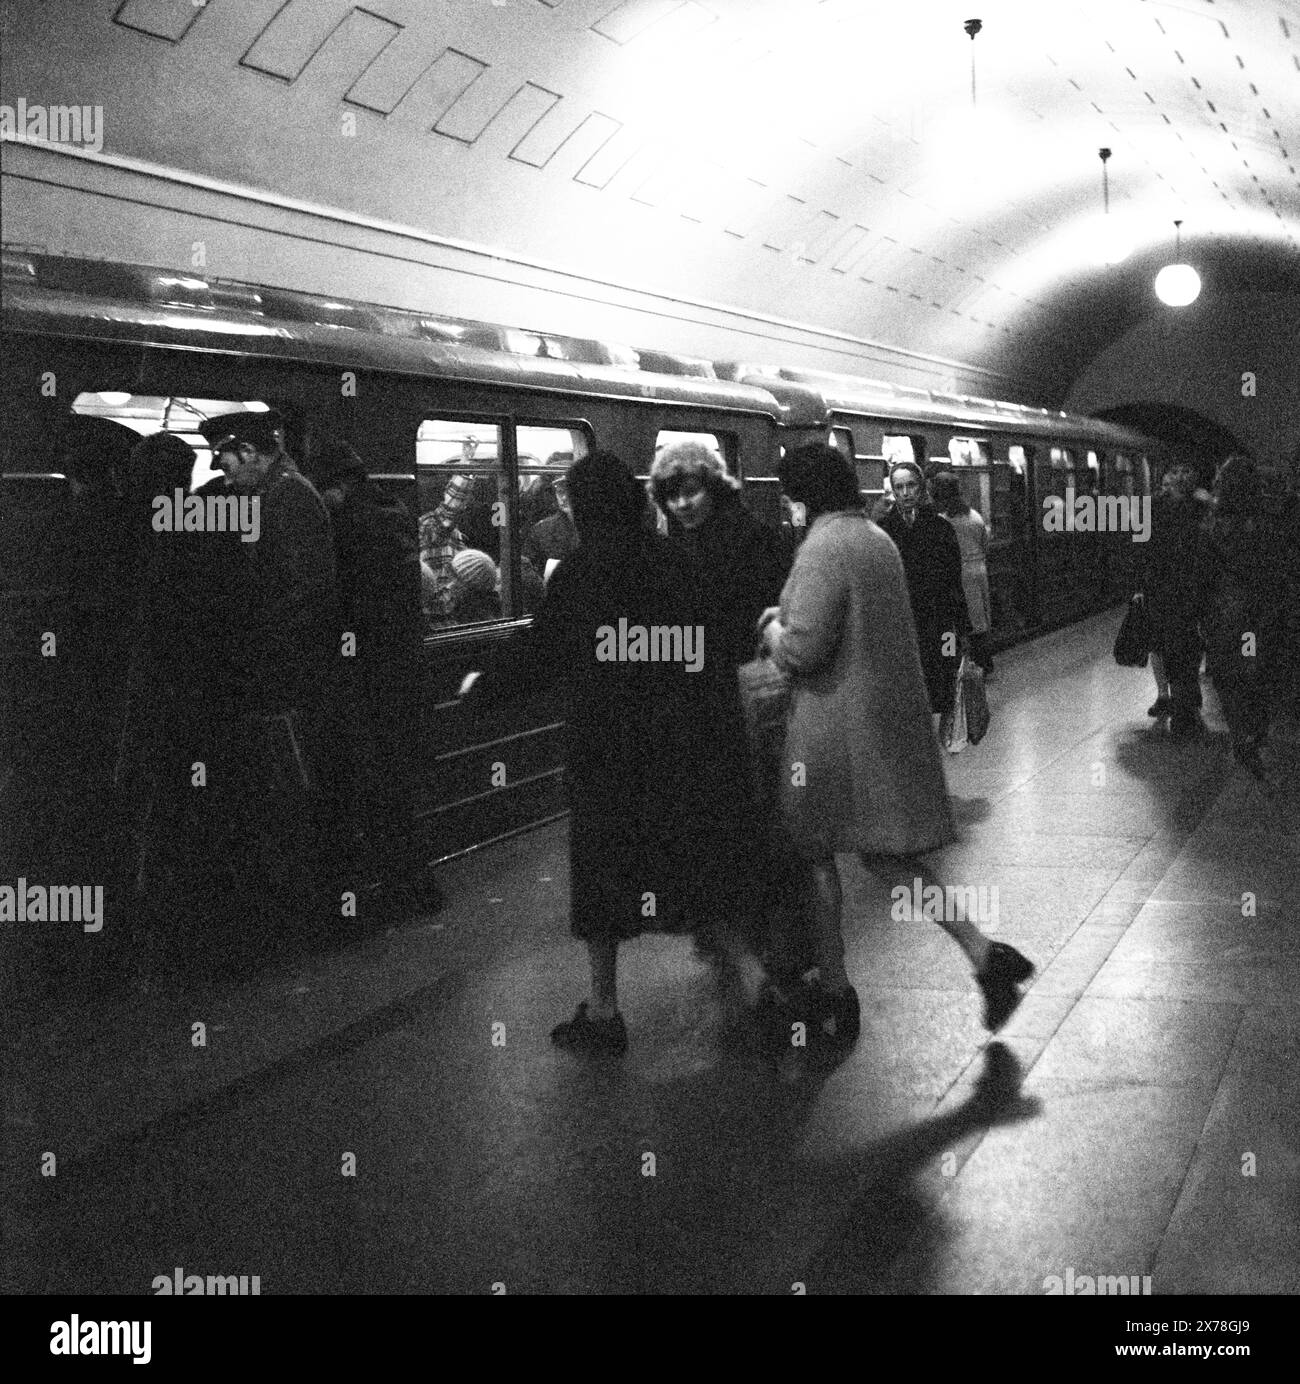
<point x="973" y="539"/>
<point x="860" y="717"/>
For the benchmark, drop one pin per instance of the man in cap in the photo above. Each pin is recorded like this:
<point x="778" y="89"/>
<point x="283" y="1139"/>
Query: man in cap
<point x="293" y="566"/>
<point x="378" y="557"/>
<point x="293" y="555"/>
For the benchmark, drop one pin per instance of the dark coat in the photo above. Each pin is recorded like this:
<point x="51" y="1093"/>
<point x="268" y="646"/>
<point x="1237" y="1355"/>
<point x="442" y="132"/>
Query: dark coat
<point x="932" y="565"/>
<point x="377" y="554"/>
<point x="745" y="565"/>
<point x="552" y="537"/>
<point x="1237" y="574"/>
<point x="654" y="754"/>
<point x="1166" y="566"/>
<point x="293" y="560"/>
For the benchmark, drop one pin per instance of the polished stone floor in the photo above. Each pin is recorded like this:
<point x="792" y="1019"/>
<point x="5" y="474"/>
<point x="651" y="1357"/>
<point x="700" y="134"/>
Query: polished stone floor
<point x="352" y="1126"/>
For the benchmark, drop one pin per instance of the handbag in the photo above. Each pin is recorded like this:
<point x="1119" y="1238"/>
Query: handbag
<point x="953" y="730"/>
<point x="1133" y="642"/>
<point x="766" y="692"/>
<point x="971" y="677"/>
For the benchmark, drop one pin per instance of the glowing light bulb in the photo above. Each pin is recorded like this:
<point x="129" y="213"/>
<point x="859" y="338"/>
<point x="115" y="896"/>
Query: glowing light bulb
<point x="1178" y="285"/>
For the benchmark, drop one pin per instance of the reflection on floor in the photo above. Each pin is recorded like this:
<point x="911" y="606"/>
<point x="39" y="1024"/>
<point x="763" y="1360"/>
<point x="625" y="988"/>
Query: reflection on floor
<point x="351" y="1126"/>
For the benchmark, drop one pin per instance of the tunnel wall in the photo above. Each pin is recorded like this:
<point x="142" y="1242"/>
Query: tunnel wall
<point x="1196" y="358"/>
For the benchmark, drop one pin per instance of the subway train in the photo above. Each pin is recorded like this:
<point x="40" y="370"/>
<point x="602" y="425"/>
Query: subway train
<point x="425" y="398"/>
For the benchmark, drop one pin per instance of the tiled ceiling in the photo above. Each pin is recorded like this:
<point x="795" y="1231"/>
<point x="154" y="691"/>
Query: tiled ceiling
<point x="822" y="161"/>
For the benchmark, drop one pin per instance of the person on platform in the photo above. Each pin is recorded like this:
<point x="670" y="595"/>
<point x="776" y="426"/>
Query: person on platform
<point x="654" y="747"/>
<point x="288" y="718"/>
<point x="1166" y="567"/>
<point x="863" y="771"/>
<point x="932" y="562"/>
<point x="377" y="554"/>
<point x="1239" y="566"/>
<point x="973" y="539"/>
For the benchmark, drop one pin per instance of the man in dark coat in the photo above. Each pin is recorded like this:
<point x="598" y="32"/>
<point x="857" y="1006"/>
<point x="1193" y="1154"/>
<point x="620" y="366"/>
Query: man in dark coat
<point x="932" y="565"/>
<point x="377" y="549"/>
<point x="288" y="717"/>
<point x="1166" y="565"/>
<point x="1238" y="572"/>
<point x="654" y="747"/>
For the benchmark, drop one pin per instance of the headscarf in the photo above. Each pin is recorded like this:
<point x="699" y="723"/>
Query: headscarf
<point x="907" y="466"/>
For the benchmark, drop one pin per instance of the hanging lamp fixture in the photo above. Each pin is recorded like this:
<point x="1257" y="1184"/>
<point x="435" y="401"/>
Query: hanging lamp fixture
<point x="1178" y="284"/>
<point x="972" y="27"/>
<point x="1111" y="245"/>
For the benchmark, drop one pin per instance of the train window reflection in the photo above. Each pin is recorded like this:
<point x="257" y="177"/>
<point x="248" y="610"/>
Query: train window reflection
<point x="464" y="523"/>
<point x="901" y="447"/>
<point x="969" y="451"/>
<point x="842" y="440"/>
<point x="147" y="414"/>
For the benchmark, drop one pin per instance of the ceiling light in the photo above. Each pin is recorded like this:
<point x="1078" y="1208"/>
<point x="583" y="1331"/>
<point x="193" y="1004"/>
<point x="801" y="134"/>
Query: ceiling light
<point x="1111" y="244"/>
<point x="1178" y="284"/>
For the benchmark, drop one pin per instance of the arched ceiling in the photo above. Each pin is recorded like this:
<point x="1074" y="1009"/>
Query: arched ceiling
<point x="819" y="161"/>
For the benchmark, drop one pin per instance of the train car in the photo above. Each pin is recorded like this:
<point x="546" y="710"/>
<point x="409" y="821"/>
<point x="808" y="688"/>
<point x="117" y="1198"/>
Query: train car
<point x="422" y="398"/>
<point x="1016" y="465"/>
<point x="425" y="399"/>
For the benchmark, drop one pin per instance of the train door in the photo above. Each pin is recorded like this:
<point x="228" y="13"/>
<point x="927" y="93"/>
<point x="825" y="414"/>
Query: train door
<point x="1054" y="475"/>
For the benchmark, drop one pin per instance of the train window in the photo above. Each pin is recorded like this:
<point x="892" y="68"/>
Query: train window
<point x="464" y="523"/>
<point x="871" y="475"/>
<point x="1019" y="457"/>
<point x="842" y="440"/>
<point x="969" y="451"/>
<point x="545" y="520"/>
<point x="904" y="447"/>
<point x="1061" y="459"/>
<point x="710" y="440"/>
<point x="147" y="414"/>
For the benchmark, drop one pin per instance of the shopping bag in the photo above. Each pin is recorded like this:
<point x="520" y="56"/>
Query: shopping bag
<point x="977" y="702"/>
<point x="952" y="725"/>
<point x="1133" y="643"/>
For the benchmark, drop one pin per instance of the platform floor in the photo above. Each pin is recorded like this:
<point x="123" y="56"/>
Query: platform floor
<point x="1140" y="1115"/>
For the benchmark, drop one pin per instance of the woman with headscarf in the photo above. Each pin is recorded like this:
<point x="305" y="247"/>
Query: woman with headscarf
<point x="862" y="764"/>
<point x="973" y="540"/>
<point x="654" y="748"/>
<point x="932" y="564"/>
<point x="1237" y="569"/>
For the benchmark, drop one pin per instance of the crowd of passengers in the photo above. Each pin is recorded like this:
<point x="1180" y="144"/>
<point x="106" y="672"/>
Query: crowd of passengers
<point x="286" y="675"/>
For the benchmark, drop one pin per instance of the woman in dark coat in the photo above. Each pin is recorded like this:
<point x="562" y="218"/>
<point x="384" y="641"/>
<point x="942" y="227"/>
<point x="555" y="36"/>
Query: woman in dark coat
<point x="742" y="560"/>
<point x="932" y="564"/>
<point x="1238" y="570"/>
<point x="743" y="565"/>
<point x="653" y="749"/>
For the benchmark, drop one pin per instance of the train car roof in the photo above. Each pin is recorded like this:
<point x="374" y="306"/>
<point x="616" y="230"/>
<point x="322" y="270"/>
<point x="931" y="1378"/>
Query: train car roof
<point x="879" y="398"/>
<point x="115" y="302"/>
<point x="106" y="300"/>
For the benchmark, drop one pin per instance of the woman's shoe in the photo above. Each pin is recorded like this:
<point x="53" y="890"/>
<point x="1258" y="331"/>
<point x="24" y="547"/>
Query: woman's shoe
<point x="1003" y="970"/>
<point x="1162" y="706"/>
<point x="591" y="1035"/>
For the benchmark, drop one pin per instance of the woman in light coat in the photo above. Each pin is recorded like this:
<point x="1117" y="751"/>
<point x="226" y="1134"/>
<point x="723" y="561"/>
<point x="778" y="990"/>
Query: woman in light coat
<point x="973" y="540"/>
<point x="862" y="770"/>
